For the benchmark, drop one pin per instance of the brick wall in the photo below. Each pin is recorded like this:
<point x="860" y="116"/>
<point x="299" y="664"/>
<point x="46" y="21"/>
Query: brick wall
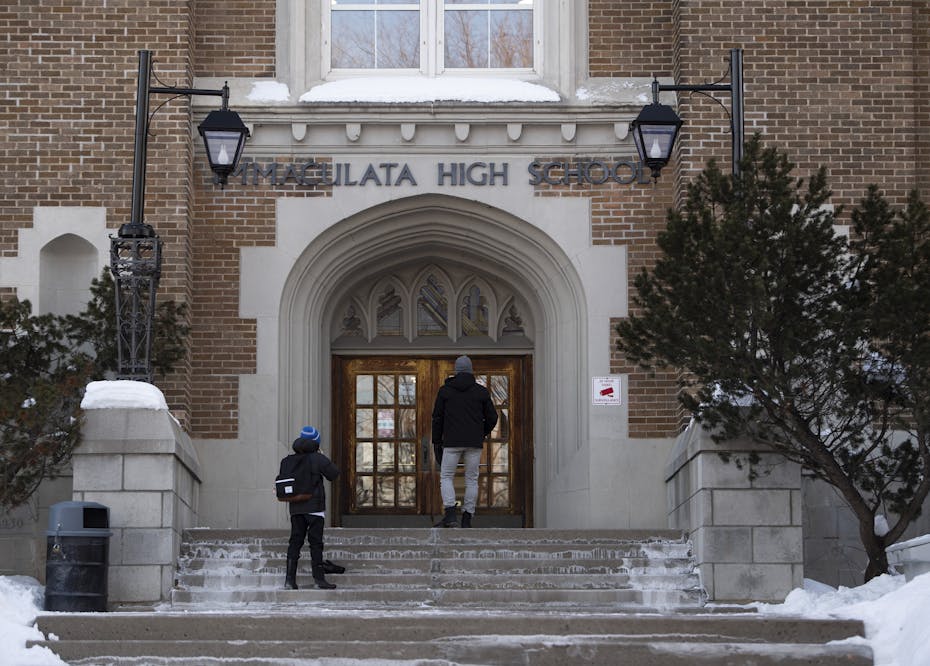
<point x="235" y="38"/>
<point x="67" y="121"/>
<point x="224" y="344"/>
<point x="629" y="38"/>
<point x="836" y="82"/>
<point x="922" y="94"/>
<point x="832" y="82"/>
<point x="839" y="83"/>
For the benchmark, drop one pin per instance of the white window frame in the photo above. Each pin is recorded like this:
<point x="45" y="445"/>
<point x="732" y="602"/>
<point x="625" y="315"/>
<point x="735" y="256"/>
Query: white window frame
<point x="560" y="49"/>
<point x="432" y="48"/>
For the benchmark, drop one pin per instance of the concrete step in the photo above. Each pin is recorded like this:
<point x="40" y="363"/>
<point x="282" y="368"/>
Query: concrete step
<point x="457" y="637"/>
<point x="336" y="535"/>
<point x="269" y="579"/>
<point x="488" y="651"/>
<point x="341" y="596"/>
<point x="429" y="625"/>
<point x="490" y="566"/>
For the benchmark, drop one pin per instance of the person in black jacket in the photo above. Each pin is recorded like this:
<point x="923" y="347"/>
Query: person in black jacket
<point x="463" y="416"/>
<point x="307" y="516"/>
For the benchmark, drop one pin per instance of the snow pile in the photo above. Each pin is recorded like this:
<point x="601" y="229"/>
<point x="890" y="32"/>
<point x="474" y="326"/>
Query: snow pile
<point x="20" y="602"/>
<point x="123" y="394"/>
<point x="895" y="614"/>
<point x="269" y="91"/>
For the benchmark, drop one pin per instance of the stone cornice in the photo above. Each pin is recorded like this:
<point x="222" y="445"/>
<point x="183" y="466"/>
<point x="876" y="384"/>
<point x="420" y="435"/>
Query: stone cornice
<point x="596" y="125"/>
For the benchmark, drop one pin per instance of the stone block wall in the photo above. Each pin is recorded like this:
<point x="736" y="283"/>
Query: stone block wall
<point x="22" y="530"/>
<point x="142" y="466"/>
<point x="833" y="552"/>
<point x="746" y="532"/>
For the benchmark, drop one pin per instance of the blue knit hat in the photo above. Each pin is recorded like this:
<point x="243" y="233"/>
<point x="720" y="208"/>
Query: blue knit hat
<point x="311" y="433"/>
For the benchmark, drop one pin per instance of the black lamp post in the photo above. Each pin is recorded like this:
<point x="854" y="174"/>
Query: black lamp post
<point x="656" y="127"/>
<point x="135" y="252"/>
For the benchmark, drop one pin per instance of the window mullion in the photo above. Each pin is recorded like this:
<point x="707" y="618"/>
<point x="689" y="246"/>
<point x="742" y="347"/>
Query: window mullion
<point x="433" y="48"/>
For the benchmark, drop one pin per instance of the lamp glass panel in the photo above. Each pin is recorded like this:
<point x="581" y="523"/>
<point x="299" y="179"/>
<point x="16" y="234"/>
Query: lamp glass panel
<point x="638" y="140"/>
<point x="222" y="146"/>
<point x="657" y="141"/>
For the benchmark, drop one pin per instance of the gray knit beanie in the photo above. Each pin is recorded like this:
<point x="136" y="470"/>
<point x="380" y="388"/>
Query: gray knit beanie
<point x="462" y="364"/>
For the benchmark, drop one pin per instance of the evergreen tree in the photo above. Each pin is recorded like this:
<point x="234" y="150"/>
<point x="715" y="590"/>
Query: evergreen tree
<point x="888" y="296"/>
<point x="788" y="338"/>
<point x="41" y="387"/>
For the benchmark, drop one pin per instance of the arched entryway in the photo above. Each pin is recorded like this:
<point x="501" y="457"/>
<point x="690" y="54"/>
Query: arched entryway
<point x="472" y="252"/>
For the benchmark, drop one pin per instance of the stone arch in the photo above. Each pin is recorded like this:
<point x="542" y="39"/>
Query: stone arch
<point x="437" y="228"/>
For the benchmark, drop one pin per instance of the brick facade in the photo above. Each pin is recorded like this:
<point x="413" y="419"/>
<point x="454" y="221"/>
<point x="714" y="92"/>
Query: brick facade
<point x="67" y="125"/>
<point x="841" y="83"/>
<point x="838" y="84"/>
<point x="223" y="343"/>
<point x="234" y="38"/>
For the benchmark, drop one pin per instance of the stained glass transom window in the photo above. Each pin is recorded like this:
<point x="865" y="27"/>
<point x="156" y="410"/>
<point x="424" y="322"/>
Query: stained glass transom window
<point x="432" y="309"/>
<point x="474" y="313"/>
<point x="390" y="321"/>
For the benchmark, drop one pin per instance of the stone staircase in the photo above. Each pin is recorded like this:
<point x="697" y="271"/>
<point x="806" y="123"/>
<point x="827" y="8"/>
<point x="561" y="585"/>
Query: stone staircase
<point x="434" y="596"/>
<point x="482" y="568"/>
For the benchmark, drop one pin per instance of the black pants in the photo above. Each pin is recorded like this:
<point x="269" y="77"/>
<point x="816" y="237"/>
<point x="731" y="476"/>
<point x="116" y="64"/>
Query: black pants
<point x="306" y="525"/>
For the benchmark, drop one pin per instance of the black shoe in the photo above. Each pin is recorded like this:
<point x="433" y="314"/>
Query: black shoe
<point x="449" y="519"/>
<point x="466" y="519"/>
<point x="320" y="579"/>
<point x="329" y="567"/>
<point x="290" y="577"/>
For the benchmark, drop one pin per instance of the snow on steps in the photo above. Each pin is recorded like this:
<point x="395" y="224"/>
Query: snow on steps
<point x="607" y="569"/>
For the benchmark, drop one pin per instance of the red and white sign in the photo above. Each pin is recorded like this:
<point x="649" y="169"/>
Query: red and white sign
<point x="605" y="390"/>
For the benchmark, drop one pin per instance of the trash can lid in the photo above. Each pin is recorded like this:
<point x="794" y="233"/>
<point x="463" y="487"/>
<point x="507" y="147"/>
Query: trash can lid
<point x="78" y="519"/>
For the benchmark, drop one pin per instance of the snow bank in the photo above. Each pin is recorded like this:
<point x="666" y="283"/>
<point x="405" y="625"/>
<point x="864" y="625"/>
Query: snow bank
<point x="21" y="599"/>
<point x="894" y="613"/>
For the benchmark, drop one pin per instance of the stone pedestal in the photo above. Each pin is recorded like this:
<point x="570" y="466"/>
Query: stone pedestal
<point x="140" y="464"/>
<point x="746" y="532"/>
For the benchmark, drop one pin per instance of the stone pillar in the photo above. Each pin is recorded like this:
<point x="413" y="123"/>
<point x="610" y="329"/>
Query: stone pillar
<point x="747" y="532"/>
<point x="140" y="464"/>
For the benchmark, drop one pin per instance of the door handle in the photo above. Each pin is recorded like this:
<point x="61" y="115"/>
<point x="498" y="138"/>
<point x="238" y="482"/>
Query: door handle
<point x="426" y="447"/>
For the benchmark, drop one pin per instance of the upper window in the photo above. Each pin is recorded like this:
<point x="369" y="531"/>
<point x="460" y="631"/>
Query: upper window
<point x="433" y="36"/>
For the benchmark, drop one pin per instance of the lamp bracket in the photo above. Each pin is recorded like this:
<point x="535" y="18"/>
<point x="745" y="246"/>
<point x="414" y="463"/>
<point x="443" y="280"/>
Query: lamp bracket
<point x="735" y="90"/>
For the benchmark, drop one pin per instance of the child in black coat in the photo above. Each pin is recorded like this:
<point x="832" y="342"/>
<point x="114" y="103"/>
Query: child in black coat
<point x="307" y="516"/>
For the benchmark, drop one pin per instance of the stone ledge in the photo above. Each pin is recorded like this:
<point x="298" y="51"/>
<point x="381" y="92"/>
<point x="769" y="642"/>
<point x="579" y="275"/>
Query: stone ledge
<point x="138" y="431"/>
<point x="912" y="557"/>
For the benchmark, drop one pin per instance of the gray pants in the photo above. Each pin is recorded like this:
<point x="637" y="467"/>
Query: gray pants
<point x="450" y="460"/>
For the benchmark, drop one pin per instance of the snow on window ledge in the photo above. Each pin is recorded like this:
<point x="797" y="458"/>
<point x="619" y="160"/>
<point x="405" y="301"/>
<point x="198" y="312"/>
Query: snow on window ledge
<point x="418" y="89"/>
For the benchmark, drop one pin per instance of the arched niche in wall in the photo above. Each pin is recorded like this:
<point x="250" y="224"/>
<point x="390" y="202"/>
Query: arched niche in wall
<point x="67" y="265"/>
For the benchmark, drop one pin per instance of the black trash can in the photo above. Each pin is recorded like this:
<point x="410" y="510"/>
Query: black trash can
<point x="77" y="557"/>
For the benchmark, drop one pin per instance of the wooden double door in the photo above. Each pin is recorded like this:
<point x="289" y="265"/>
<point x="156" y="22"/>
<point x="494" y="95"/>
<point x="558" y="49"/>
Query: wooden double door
<point x="382" y="416"/>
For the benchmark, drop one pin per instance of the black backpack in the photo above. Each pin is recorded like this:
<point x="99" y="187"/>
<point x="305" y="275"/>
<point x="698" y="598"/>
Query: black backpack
<point x="294" y="478"/>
